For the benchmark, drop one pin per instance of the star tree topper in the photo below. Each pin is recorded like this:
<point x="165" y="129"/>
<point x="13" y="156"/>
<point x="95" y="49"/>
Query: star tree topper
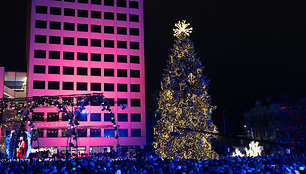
<point x="182" y="28"/>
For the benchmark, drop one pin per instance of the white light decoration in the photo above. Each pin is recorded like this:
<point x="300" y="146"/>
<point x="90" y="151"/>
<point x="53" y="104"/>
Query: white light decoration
<point x="182" y="28"/>
<point x="254" y="149"/>
<point x="237" y="153"/>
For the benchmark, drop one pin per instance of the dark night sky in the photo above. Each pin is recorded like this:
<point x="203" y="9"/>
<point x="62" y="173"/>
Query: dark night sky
<point x="250" y="49"/>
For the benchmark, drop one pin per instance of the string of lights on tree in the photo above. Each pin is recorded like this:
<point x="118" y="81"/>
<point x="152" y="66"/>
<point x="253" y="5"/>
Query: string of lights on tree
<point x="184" y="103"/>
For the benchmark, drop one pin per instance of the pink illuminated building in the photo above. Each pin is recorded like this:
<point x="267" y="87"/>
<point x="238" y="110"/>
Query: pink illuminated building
<point x="82" y="47"/>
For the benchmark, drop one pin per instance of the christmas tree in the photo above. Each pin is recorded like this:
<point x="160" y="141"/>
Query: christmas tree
<point x="183" y="131"/>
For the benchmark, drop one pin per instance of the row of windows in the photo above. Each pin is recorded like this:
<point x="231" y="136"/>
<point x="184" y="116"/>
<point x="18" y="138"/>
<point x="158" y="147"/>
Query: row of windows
<point x="93" y="133"/>
<point x="85" y="13"/>
<point x="120" y="3"/>
<point x="81" y="86"/>
<point x="54" y="25"/>
<point x="84" y="42"/>
<point x="41" y="69"/>
<point x="122" y="117"/>
<point x="84" y="56"/>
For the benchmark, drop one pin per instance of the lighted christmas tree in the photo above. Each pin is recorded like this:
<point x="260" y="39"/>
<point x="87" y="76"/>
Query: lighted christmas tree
<point x="183" y="131"/>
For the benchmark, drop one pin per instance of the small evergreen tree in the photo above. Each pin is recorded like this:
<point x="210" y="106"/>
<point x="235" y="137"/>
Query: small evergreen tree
<point x="184" y="104"/>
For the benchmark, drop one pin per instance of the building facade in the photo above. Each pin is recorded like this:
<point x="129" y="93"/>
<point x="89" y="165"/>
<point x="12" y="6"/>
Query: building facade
<point x="82" y="47"/>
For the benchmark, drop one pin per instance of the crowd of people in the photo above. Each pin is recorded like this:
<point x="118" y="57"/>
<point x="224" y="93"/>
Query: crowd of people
<point x="290" y="164"/>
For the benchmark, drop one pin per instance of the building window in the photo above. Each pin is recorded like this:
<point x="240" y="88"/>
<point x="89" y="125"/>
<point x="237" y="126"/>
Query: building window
<point x="97" y="2"/>
<point x="109" y="133"/>
<point x="69" y="12"/>
<point x="82" y="56"/>
<point x="111" y="101"/>
<point x="96" y="14"/>
<point x="123" y="132"/>
<point x="52" y="117"/>
<point x="82" y="42"/>
<point x="135" y="88"/>
<point x="134" y="18"/>
<point x="65" y="132"/>
<point x="134" y="31"/>
<point x="40" y="24"/>
<point x="121" y="44"/>
<point x="95" y="57"/>
<point x="95" y="86"/>
<point x="83" y="1"/>
<point x="38" y="84"/>
<point x="134" y="45"/>
<point x="109" y="15"/>
<point x="52" y="133"/>
<point x="121" y="3"/>
<point x="108" y="116"/>
<point x="121" y="17"/>
<point x="69" y="26"/>
<point x="68" y="55"/>
<point x="82" y="116"/>
<point x="67" y="85"/>
<point x="96" y="28"/>
<point x="122" y="58"/>
<point x="95" y="117"/>
<point x="122" y="101"/>
<point x="53" y="70"/>
<point x="135" y="117"/>
<point x="54" y="40"/>
<point x="109" y="2"/>
<point x="68" y="70"/>
<point x="53" y="85"/>
<point x="82" y="71"/>
<point x="122" y="117"/>
<point x="83" y="13"/>
<point x="134" y="59"/>
<point x="40" y="69"/>
<point x="122" y="87"/>
<point x="108" y="58"/>
<point x="81" y="86"/>
<point x="55" y="25"/>
<point x="95" y="42"/>
<point x="40" y="132"/>
<point x="68" y="41"/>
<point x="40" y="39"/>
<point x="108" y="87"/>
<point x="39" y="53"/>
<point x="54" y="55"/>
<point x="109" y="72"/>
<point x="133" y="4"/>
<point x="135" y="73"/>
<point x="82" y="27"/>
<point x="41" y="9"/>
<point x="95" y="71"/>
<point x="95" y="132"/>
<point x="55" y="11"/>
<point x="38" y="116"/>
<point x="82" y="132"/>
<point x="135" y="102"/>
<point x="121" y="30"/>
<point x="109" y="29"/>
<point x="121" y="73"/>
<point x="109" y="43"/>
<point x="135" y="132"/>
